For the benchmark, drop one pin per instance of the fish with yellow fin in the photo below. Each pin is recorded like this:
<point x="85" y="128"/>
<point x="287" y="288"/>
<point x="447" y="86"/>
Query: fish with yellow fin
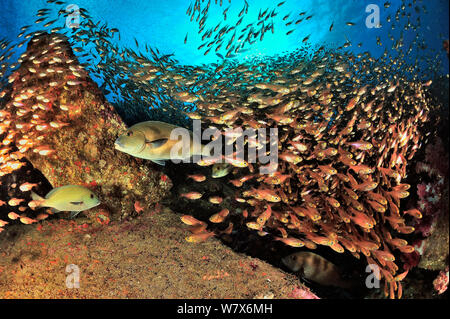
<point x="73" y="198"/>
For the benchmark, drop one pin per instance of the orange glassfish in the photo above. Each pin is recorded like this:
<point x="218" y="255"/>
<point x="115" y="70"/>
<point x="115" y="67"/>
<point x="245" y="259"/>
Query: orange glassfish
<point x="236" y="162"/>
<point x="15" y="201"/>
<point x="13" y="216"/>
<point x="27" y="186"/>
<point x="44" y="150"/>
<point x="367" y="186"/>
<point x="413" y="212"/>
<point x="215" y="199"/>
<point x="333" y="202"/>
<point x="327" y="169"/>
<point x="27" y="220"/>
<point x="320" y="240"/>
<point x="3" y="223"/>
<point x="192" y="195"/>
<point x="264" y="216"/>
<point x="34" y="203"/>
<point x="227" y="230"/>
<point x="362" y="169"/>
<point x="361" y="145"/>
<point x="362" y="220"/>
<point x="294" y="242"/>
<point x="254" y="225"/>
<point x="267" y="194"/>
<point x="137" y="207"/>
<point x="376" y="206"/>
<point x="200" y="237"/>
<point x="189" y="220"/>
<point x="41" y="216"/>
<point x="377" y="197"/>
<point x="198" y="177"/>
<point x="216" y="218"/>
<point x="197" y="228"/>
<point x="220" y="216"/>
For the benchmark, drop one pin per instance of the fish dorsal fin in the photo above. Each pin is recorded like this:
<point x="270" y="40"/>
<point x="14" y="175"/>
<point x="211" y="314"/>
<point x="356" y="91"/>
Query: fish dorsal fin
<point x="156" y="143"/>
<point x="51" y="192"/>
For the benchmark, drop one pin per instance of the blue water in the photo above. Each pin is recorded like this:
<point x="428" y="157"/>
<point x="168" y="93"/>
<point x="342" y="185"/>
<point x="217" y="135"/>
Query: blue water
<point x="164" y="25"/>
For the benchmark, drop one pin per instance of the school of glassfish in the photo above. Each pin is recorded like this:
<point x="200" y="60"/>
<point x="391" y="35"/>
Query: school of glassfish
<point x="348" y="125"/>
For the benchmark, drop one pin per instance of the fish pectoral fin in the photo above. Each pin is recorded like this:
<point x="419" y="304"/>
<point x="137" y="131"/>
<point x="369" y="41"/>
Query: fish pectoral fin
<point x="76" y="203"/>
<point x="159" y="162"/>
<point x="156" y="143"/>
<point x="74" y="214"/>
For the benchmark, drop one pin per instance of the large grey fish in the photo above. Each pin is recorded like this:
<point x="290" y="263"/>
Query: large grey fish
<point x="151" y="140"/>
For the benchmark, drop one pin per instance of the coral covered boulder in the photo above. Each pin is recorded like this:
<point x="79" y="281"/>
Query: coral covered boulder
<point x="60" y="121"/>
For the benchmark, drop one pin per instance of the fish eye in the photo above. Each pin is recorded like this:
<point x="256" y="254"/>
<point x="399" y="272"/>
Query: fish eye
<point x="129" y="133"/>
<point x="92" y="195"/>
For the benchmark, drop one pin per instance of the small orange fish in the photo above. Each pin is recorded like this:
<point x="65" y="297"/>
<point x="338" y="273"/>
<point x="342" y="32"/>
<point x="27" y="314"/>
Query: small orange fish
<point x="362" y="220"/>
<point x="15" y="201"/>
<point x="137" y="207"/>
<point x="333" y="202"/>
<point x="227" y="230"/>
<point x="398" y="194"/>
<point x="3" y="223"/>
<point x="191" y="221"/>
<point x="197" y="228"/>
<point x="401" y="276"/>
<point x="414" y="212"/>
<point x="200" y="237"/>
<point x="384" y="255"/>
<point x="58" y="124"/>
<point x="377" y="206"/>
<point x="198" y="177"/>
<point x="407" y="249"/>
<point x="192" y="195"/>
<point x="215" y="199"/>
<point x="361" y="145"/>
<point x="337" y="248"/>
<point x="254" y="225"/>
<point x="2" y="202"/>
<point x="41" y="216"/>
<point x="367" y="186"/>
<point x="397" y="242"/>
<point x="44" y="150"/>
<point x="264" y="216"/>
<point x="34" y="203"/>
<point x="13" y="216"/>
<point x="216" y="218"/>
<point x="405" y="229"/>
<point x="294" y="242"/>
<point x="27" y="220"/>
